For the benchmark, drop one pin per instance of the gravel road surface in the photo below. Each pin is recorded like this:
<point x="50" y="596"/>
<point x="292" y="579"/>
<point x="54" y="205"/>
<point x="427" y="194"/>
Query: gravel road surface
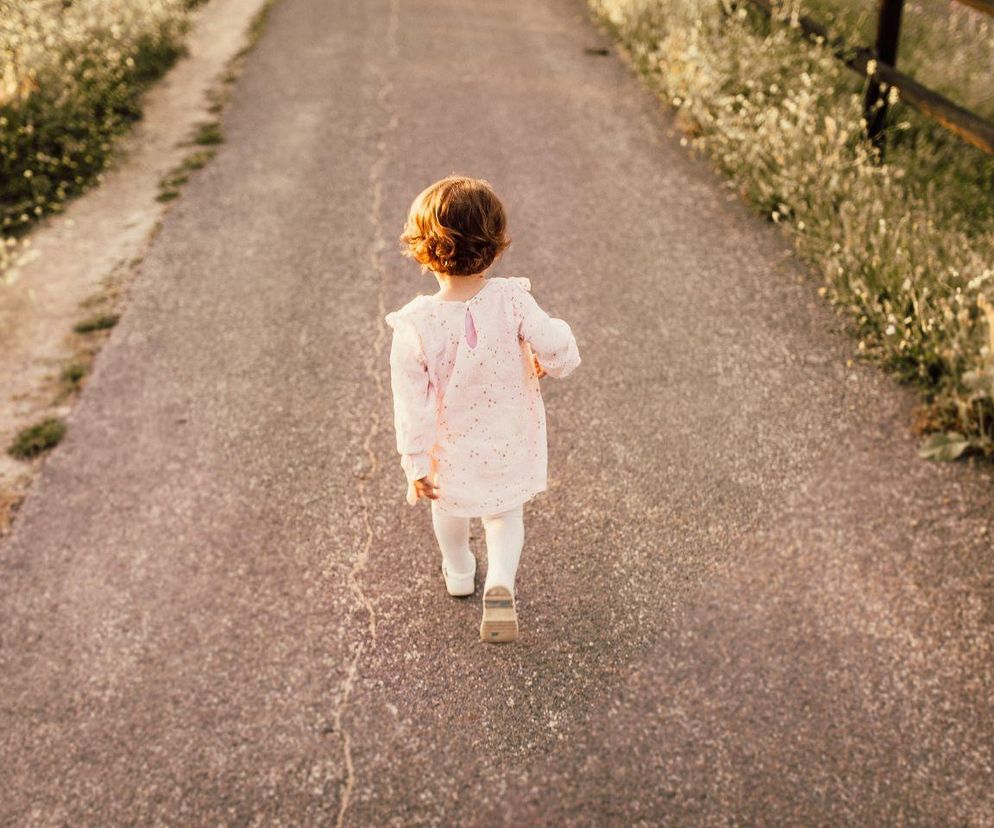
<point x="743" y="600"/>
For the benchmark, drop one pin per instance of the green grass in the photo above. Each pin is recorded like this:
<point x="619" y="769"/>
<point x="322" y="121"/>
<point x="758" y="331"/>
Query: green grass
<point x="38" y="438"/>
<point x="208" y="134"/>
<point x="72" y="375"/>
<point x="197" y="160"/>
<point x="257" y="27"/>
<point x="97" y="323"/>
<point x="169" y="187"/>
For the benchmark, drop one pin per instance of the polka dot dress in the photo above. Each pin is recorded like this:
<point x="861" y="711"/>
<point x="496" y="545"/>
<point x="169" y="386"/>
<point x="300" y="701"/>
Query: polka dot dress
<point x="467" y="403"/>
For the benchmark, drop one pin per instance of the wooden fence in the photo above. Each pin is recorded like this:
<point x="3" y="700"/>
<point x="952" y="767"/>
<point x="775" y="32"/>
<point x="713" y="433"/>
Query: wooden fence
<point x="966" y="124"/>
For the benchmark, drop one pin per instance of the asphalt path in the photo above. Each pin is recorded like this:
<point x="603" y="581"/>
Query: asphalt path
<point x="743" y="600"/>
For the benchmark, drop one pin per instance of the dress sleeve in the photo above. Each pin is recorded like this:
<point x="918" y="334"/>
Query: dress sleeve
<point x="551" y="339"/>
<point x="413" y="401"/>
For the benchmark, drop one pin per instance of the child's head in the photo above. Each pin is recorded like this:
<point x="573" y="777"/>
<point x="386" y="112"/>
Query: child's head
<point x="456" y="226"/>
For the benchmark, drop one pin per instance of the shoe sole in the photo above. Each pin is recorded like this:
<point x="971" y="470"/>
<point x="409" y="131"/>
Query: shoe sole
<point x="500" y="618"/>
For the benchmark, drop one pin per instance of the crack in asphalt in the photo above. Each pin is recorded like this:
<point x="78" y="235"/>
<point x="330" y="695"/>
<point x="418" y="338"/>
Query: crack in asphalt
<point x="375" y="373"/>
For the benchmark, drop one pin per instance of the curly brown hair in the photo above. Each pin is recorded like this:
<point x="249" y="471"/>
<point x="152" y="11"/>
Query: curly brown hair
<point x="456" y="226"/>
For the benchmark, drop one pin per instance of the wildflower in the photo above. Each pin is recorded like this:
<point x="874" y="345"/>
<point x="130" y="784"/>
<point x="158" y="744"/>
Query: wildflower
<point x="891" y="330"/>
<point x="871" y="66"/>
<point x="977" y="281"/>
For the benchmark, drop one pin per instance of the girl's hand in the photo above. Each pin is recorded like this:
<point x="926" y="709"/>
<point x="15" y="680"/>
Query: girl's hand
<point x="539" y="370"/>
<point x="425" y="488"/>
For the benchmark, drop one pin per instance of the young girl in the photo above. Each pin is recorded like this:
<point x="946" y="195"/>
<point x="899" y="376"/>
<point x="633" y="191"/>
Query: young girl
<point x="465" y="365"/>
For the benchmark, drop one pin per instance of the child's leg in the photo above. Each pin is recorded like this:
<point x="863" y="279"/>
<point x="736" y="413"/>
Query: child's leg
<point x="452" y="533"/>
<point x="505" y="537"/>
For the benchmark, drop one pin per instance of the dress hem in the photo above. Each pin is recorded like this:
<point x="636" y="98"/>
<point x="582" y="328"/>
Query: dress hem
<point x="498" y="510"/>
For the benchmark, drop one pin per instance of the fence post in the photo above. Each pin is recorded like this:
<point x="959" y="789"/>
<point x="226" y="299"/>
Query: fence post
<point x="885" y="51"/>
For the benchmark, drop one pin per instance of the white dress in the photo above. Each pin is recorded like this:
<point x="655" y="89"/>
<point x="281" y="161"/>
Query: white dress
<point x="468" y="408"/>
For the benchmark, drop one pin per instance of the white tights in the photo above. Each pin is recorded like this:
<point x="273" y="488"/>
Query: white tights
<point x="505" y="536"/>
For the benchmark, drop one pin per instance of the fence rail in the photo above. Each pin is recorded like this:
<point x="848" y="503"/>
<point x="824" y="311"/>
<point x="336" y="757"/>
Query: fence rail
<point x="961" y="121"/>
<point x="980" y="5"/>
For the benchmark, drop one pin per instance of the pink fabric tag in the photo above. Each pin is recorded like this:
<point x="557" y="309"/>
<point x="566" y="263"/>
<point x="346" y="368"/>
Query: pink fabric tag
<point x="470" y="330"/>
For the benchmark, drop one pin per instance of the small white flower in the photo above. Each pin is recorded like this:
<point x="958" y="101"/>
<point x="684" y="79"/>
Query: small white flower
<point x="891" y="330"/>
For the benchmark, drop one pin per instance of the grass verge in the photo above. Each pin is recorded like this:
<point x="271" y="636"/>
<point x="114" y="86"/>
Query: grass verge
<point x="73" y="75"/>
<point x="905" y="245"/>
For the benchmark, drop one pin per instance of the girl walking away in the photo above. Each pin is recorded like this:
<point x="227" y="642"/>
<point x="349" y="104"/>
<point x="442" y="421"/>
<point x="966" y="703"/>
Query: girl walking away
<point x="465" y="365"/>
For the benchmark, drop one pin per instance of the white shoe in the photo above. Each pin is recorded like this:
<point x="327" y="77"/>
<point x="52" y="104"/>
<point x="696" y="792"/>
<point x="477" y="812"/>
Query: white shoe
<point x="460" y="583"/>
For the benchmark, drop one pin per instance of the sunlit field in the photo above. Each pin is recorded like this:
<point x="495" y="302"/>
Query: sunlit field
<point x="71" y="77"/>
<point x="906" y="247"/>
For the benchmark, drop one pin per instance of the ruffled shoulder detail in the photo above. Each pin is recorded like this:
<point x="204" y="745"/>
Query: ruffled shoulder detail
<point x="407" y="314"/>
<point x="522" y="282"/>
<point x="406" y="328"/>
